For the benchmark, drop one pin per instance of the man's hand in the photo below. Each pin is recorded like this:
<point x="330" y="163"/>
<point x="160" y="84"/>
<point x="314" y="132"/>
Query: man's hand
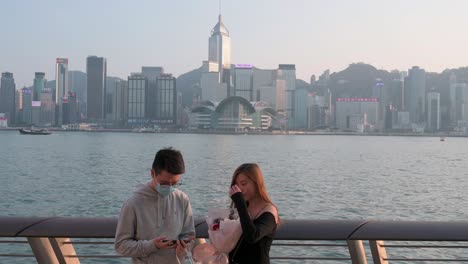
<point x="162" y="242"/>
<point x="180" y="248"/>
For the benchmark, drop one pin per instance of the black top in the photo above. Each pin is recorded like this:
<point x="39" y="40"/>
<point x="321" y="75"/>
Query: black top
<point x="257" y="235"/>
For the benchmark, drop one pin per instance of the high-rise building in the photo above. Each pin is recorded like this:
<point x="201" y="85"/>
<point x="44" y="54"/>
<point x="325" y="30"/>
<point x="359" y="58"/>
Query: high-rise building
<point x="36" y="113"/>
<point x="316" y="111"/>
<point x="219" y="50"/>
<point x="120" y="103"/>
<point x="166" y="100"/>
<point x="300" y="118"/>
<point x="18" y="106"/>
<point x="243" y="81"/>
<point x="61" y="86"/>
<point x="27" y="105"/>
<point x="19" y="100"/>
<point x="458" y="96"/>
<point x="70" y="109"/>
<point x="415" y="93"/>
<point x="61" y="80"/>
<point x="382" y="92"/>
<point x="47" y="117"/>
<point x="151" y="74"/>
<point x="356" y="113"/>
<point x="433" y="111"/>
<point x="264" y="85"/>
<point x="64" y="111"/>
<point x="7" y="97"/>
<point x="74" y="108"/>
<point x="96" y="69"/>
<point x="39" y="85"/>
<point x="461" y="102"/>
<point x="211" y="88"/>
<point x="285" y="89"/>
<point x="453" y="99"/>
<point x="397" y="94"/>
<point x="137" y="85"/>
<point x="78" y="84"/>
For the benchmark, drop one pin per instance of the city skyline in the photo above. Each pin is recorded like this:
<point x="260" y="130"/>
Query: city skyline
<point x="313" y="35"/>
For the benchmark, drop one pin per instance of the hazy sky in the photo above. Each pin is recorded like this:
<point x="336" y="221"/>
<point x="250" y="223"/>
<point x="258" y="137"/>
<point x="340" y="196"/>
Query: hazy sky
<point x="314" y="35"/>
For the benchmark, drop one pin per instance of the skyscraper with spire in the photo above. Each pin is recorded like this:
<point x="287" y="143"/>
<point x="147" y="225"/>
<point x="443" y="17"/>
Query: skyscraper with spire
<point x="61" y="87"/>
<point x="219" y="50"/>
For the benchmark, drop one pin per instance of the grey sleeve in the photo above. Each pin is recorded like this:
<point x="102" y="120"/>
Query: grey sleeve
<point x="188" y="229"/>
<point x="125" y="243"/>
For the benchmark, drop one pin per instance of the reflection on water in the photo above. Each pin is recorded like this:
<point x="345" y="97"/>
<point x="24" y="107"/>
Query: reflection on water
<point x="315" y="177"/>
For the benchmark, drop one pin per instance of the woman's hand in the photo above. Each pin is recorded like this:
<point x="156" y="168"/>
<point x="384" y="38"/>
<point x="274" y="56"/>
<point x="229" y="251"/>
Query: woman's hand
<point x="234" y="189"/>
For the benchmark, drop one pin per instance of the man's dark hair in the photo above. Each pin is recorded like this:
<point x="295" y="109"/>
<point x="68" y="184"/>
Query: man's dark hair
<point x="170" y="160"/>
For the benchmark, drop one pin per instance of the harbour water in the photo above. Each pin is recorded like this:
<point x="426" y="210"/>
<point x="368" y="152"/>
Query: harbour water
<point x="308" y="177"/>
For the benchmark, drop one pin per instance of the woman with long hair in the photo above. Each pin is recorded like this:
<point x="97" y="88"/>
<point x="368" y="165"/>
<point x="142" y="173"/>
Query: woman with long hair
<point x="258" y="216"/>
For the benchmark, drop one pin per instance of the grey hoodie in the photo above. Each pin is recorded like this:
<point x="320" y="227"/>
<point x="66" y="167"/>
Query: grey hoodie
<point x="147" y="215"/>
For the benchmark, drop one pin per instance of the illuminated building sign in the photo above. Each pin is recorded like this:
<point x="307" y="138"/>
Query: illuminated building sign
<point x="244" y="66"/>
<point x="61" y="60"/>
<point x="357" y="100"/>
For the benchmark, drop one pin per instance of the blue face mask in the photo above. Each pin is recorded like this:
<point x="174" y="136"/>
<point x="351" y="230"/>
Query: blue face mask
<point x="164" y="190"/>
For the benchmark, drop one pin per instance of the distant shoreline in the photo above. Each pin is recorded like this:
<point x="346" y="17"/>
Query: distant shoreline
<point x="218" y="132"/>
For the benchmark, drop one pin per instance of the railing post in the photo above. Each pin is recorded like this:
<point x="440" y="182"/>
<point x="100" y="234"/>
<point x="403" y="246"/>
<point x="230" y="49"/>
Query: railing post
<point x="63" y="250"/>
<point x="379" y="254"/>
<point x="42" y="250"/>
<point x="356" y="251"/>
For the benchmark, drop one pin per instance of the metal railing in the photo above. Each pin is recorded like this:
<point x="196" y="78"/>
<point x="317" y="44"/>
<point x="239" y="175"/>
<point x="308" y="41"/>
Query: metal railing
<point x="50" y="240"/>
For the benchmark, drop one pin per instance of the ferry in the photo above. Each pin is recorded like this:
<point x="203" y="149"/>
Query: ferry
<point x="34" y="131"/>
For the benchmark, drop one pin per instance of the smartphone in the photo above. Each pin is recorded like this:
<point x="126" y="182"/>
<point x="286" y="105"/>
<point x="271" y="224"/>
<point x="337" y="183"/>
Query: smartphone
<point x="173" y="242"/>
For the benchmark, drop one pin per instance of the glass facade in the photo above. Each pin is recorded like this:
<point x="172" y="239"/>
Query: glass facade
<point x="433" y="111"/>
<point x="39" y="85"/>
<point x="166" y="100"/>
<point x="137" y="85"/>
<point x="243" y="80"/>
<point x="27" y="106"/>
<point x="96" y="69"/>
<point x="61" y="80"/>
<point x="7" y="96"/>
<point x="234" y="114"/>
<point x="300" y="117"/>
<point x="415" y="92"/>
<point x="47" y="116"/>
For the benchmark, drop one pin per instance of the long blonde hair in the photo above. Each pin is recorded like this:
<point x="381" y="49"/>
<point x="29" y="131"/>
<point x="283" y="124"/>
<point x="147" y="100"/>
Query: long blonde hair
<point x="253" y="172"/>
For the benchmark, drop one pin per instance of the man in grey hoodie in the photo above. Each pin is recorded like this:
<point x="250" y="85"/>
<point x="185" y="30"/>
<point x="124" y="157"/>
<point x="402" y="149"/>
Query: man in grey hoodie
<point x="157" y="214"/>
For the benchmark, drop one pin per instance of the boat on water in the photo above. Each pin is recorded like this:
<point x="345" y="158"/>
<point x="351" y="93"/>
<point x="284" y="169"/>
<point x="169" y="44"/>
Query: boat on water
<point x="34" y="131"/>
<point x="145" y="130"/>
<point x="442" y="138"/>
